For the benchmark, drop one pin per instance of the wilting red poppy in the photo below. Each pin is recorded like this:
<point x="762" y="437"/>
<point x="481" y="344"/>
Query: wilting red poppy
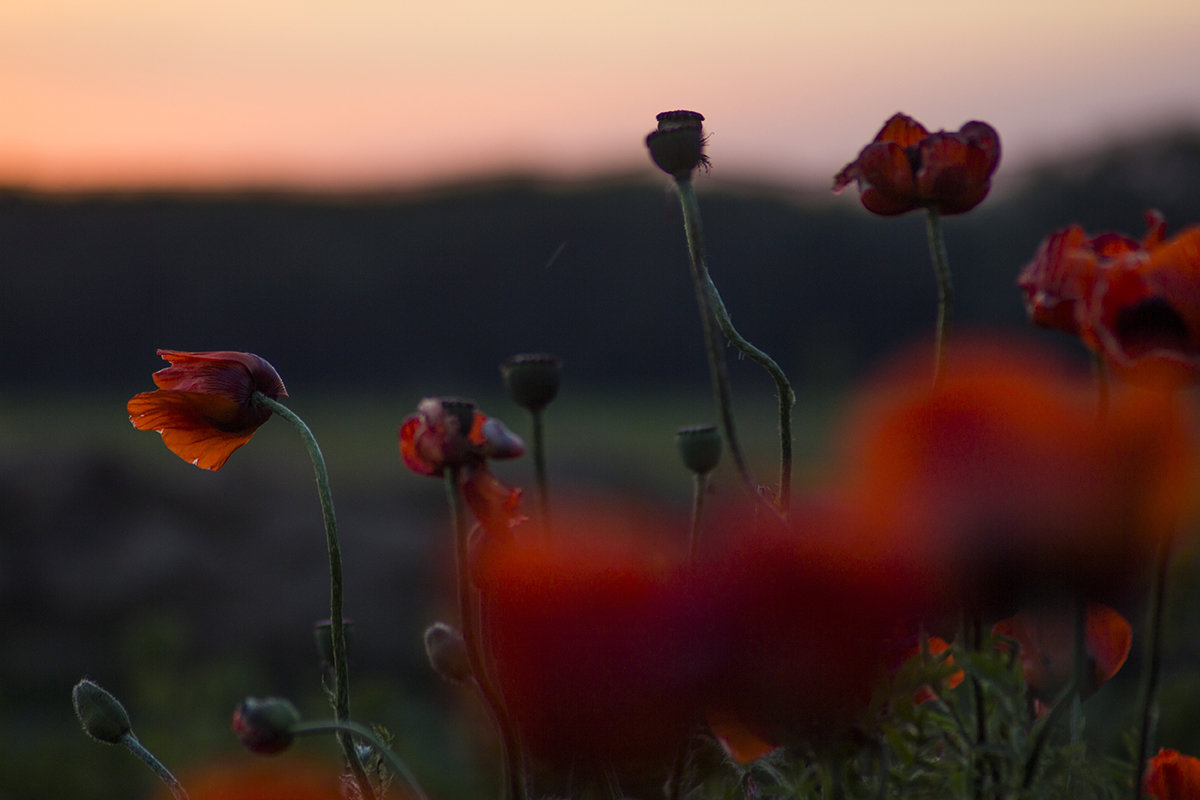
<point x="1046" y="639"/>
<point x="204" y="407"/>
<point x="1002" y="477"/>
<point x="1144" y="314"/>
<point x="1061" y="279"/>
<point x="1171" y="775"/>
<point x="906" y="167"/>
<point x="446" y="433"/>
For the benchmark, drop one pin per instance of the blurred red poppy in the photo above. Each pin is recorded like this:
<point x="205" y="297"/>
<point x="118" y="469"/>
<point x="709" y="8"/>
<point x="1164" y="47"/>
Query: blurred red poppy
<point x="905" y="167"/>
<point x="1001" y="480"/>
<point x="603" y="652"/>
<point x="263" y="779"/>
<point x="1060" y="280"/>
<point x="450" y="433"/>
<point x="1144" y="314"/>
<point x="204" y="407"/>
<point x="1045" y="637"/>
<point x="807" y="620"/>
<point x="1171" y="775"/>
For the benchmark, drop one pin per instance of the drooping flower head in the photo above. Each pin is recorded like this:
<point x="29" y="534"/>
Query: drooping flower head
<point x="449" y="433"/>
<point x="1045" y="638"/>
<point x="1170" y="775"/>
<point x="906" y="168"/>
<point x="204" y="406"/>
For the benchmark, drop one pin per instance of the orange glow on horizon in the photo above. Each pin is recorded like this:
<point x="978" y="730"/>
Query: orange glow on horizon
<point x="132" y="92"/>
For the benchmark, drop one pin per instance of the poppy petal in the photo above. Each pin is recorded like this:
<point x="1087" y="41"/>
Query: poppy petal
<point x="185" y="428"/>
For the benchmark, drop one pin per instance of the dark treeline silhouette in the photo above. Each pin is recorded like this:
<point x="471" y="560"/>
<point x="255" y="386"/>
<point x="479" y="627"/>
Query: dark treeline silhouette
<point x="438" y="287"/>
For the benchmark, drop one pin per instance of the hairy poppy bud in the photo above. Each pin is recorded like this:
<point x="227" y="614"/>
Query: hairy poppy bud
<point x="677" y="146"/>
<point x="700" y="447"/>
<point x="532" y="379"/>
<point x="265" y="726"/>
<point x="447" y="652"/>
<point x="102" y="715"/>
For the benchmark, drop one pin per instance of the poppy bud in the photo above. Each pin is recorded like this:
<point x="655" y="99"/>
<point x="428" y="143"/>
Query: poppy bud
<point x="700" y="447"/>
<point x="265" y="726"/>
<point x="532" y="379"/>
<point x="447" y="652"/>
<point x="102" y="715"/>
<point x="677" y="146"/>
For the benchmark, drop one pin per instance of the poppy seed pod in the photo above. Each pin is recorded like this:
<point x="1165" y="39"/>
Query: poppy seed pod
<point x="677" y="146"/>
<point x="102" y="715"/>
<point x="532" y="379"/>
<point x="699" y="447"/>
<point x="265" y="726"/>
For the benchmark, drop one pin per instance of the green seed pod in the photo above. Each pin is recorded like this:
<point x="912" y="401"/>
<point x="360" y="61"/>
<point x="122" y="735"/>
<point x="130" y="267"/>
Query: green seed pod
<point x="700" y="447"/>
<point x="532" y="379"/>
<point x="677" y="145"/>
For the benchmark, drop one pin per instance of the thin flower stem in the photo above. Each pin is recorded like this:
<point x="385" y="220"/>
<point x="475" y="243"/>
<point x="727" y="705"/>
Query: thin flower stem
<point x="945" y="288"/>
<point x="366" y="734"/>
<point x="510" y="747"/>
<point x="712" y="309"/>
<point x="539" y="472"/>
<point x="700" y="481"/>
<point x="337" y="628"/>
<point x="1154" y="624"/>
<point x="150" y="760"/>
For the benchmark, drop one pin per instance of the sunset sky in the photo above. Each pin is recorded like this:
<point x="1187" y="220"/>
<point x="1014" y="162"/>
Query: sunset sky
<point x="315" y="93"/>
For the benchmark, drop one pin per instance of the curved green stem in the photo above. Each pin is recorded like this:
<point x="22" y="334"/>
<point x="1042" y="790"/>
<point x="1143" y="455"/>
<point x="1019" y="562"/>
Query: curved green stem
<point x="150" y="760"/>
<point x="945" y="287"/>
<point x="337" y="628"/>
<point x="712" y="309"/>
<point x="349" y="728"/>
<point x="510" y="747"/>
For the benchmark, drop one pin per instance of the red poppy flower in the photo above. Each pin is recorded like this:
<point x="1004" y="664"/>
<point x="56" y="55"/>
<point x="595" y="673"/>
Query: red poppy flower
<point x="1046" y="639"/>
<point x="906" y="168"/>
<point x="1002" y="481"/>
<point x="447" y="433"/>
<point x="1171" y="775"/>
<point x="204" y="406"/>
<point x="1144" y="314"/>
<point x="1060" y="280"/>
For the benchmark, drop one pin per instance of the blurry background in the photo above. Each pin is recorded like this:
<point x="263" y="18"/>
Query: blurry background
<point x="386" y="199"/>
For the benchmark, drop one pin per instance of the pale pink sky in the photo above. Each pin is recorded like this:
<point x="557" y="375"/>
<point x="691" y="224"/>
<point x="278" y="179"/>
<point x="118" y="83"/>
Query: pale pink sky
<point x="318" y="93"/>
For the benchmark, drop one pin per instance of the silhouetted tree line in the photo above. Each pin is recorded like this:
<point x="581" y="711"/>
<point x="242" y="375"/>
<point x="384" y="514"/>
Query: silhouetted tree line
<point x="437" y="287"/>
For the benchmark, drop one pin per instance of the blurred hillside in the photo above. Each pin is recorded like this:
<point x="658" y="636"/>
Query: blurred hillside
<point x="437" y="287"/>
